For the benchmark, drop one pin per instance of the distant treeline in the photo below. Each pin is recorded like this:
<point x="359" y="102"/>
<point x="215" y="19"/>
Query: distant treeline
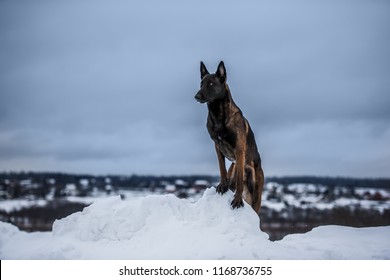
<point x="122" y="181"/>
<point x="139" y="181"/>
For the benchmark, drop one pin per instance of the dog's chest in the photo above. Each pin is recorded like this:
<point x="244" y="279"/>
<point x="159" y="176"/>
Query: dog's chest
<point x="223" y="138"/>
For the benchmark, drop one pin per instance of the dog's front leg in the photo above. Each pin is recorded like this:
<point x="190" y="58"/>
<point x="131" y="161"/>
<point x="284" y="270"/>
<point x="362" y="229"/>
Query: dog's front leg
<point x="239" y="176"/>
<point x="223" y="185"/>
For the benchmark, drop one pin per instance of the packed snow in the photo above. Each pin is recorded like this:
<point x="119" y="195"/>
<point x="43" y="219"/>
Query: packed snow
<point x="166" y="227"/>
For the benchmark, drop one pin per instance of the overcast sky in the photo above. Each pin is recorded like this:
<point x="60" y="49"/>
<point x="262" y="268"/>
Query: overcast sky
<point x="107" y="87"/>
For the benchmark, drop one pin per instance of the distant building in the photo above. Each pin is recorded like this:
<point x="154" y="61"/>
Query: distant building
<point x="169" y="188"/>
<point x="181" y="184"/>
<point x="71" y="190"/>
<point x="200" y="185"/>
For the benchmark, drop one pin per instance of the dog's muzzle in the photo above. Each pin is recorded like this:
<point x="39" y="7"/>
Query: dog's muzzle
<point x="199" y="97"/>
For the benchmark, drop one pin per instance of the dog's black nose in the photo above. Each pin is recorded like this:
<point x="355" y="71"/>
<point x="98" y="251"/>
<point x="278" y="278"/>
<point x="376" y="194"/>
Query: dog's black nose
<point x="198" y="97"/>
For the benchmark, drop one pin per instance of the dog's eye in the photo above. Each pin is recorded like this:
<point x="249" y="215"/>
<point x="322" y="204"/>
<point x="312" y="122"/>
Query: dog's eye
<point x="211" y="84"/>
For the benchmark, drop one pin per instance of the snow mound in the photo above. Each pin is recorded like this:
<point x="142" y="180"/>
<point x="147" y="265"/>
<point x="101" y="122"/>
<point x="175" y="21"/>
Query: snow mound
<point x="165" y="227"/>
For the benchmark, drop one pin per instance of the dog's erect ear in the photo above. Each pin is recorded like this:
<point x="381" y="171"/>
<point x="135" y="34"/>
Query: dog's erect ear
<point x="203" y="70"/>
<point x="221" y="71"/>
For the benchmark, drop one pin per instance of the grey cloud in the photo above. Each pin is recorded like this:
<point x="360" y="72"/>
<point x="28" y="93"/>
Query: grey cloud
<point x="101" y="86"/>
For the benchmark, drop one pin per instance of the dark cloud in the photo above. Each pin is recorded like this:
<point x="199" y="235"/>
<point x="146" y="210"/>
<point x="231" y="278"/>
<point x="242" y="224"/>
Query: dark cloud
<point x="90" y="86"/>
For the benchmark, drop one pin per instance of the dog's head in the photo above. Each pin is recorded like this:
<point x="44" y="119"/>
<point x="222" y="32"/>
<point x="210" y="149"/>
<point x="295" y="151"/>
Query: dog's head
<point x="212" y="86"/>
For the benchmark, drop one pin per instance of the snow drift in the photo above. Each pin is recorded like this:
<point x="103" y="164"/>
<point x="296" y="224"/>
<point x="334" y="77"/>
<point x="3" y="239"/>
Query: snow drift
<point x="165" y="227"/>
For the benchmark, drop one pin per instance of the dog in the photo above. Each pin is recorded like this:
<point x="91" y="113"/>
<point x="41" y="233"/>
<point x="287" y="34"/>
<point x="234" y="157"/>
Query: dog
<point x="233" y="139"/>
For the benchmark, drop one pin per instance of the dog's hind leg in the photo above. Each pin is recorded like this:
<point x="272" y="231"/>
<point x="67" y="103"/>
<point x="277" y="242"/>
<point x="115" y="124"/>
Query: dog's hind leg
<point x="258" y="188"/>
<point x="231" y="178"/>
<point x="249" y="185"/>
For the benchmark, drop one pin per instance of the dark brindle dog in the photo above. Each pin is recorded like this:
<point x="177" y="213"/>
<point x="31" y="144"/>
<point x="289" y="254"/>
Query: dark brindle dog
<point x="233" y="138"/>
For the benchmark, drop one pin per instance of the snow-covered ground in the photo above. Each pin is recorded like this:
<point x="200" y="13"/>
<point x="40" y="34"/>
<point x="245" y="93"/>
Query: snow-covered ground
<point x="165" y="227"/>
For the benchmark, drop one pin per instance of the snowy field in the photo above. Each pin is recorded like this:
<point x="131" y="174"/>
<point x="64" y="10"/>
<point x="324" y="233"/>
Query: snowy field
<point x="165" y="227"/>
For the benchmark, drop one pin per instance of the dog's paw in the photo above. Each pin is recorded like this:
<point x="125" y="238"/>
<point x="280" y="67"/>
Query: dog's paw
<point x="222" y="188"/>
<point x="237" y="203"/>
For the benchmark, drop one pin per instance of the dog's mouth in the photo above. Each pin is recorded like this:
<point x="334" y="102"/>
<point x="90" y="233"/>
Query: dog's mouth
<point x="200" y="99"/>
